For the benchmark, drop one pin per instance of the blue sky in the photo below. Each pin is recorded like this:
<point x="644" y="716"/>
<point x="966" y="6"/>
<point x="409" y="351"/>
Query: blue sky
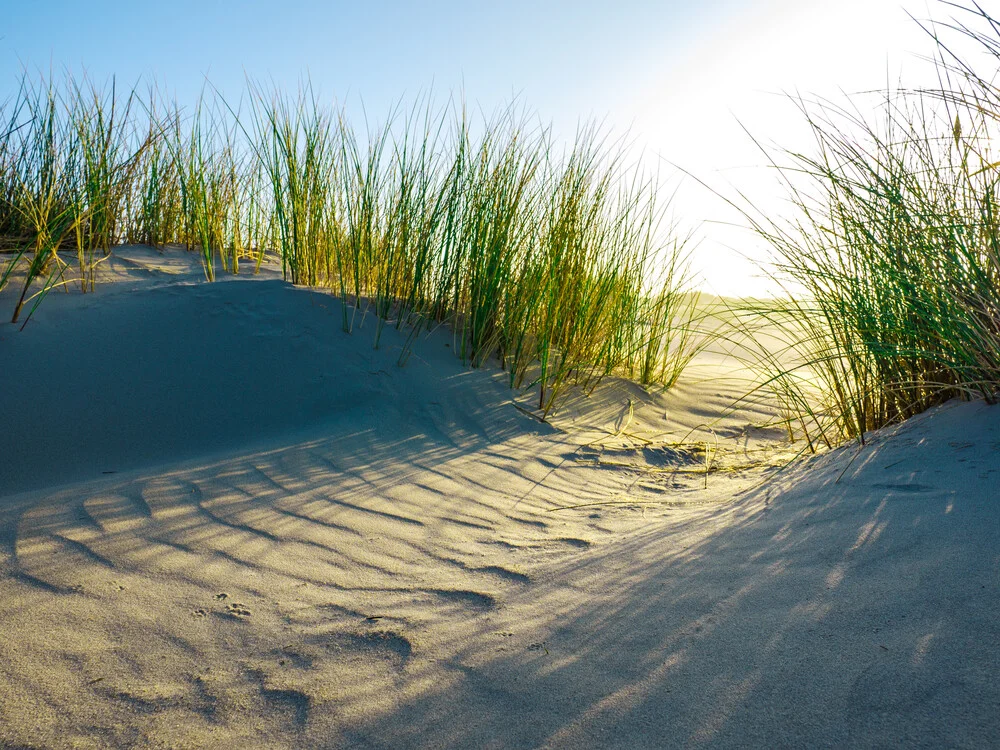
<point x="570" y="59"/>
<point x="681" y="77"/>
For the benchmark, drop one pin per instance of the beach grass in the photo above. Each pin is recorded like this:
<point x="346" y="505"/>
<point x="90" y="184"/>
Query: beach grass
<point x="554" y="260"/>
<point x="891" y="264"/>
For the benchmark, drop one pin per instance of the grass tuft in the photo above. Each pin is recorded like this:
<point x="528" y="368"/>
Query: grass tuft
<point x="555" y="262"/>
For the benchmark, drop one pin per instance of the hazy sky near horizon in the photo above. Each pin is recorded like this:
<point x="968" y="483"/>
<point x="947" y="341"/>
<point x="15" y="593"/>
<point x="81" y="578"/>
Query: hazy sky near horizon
<point x="682" y="78"/>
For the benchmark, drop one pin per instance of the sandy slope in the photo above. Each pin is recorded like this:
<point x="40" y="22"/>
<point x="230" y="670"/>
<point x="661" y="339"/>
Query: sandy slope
<point x="303" y="545"/>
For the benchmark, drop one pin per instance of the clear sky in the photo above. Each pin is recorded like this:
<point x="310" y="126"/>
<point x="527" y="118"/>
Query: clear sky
<point x="679" y="76"/>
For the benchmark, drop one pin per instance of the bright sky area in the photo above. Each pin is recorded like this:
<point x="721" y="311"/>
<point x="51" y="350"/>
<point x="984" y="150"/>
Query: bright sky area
<point x="679" y="76"/>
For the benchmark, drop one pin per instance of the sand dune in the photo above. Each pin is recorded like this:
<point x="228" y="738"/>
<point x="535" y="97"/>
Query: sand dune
<point x="226" y="523"/>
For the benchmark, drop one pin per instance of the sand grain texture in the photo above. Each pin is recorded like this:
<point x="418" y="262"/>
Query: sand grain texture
<point x="226" y="523"/>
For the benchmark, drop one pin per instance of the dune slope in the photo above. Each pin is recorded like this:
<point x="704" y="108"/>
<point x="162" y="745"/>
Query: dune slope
<point x="226" y="523"/>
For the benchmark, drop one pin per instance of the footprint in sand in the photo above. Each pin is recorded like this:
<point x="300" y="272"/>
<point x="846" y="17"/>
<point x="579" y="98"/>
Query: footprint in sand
<point x="237" y="611"/>
<point x="471" y="599"/>
<point x="295" y="656"/>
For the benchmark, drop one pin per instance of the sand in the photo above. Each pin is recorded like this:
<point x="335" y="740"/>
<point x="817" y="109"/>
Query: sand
<point x="226" y="523"/>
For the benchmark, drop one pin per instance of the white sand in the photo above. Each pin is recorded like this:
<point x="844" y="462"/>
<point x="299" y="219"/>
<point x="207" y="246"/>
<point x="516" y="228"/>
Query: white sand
<point x="226" y="523"/>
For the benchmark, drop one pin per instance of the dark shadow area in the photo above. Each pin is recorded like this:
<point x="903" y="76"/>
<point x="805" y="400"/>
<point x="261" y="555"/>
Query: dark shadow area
<point x="177" y="372"/>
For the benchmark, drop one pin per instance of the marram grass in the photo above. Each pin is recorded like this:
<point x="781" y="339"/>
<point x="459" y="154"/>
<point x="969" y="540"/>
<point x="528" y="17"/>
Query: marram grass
<point x="556" y="261"/>
<point x="893" y="261"/>
<point x="553" y="260"/>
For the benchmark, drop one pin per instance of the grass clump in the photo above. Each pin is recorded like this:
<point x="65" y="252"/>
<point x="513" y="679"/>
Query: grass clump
<point x="67" y="160"/>
<point x="892" y="265"/>
<point x="556" y="261"/>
